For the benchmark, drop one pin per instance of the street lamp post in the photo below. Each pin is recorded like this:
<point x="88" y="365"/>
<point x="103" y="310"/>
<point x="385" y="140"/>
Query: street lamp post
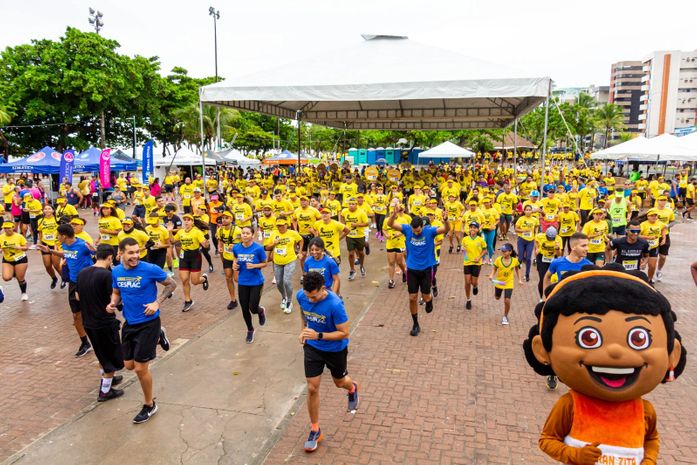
<point x="216" y="16"/>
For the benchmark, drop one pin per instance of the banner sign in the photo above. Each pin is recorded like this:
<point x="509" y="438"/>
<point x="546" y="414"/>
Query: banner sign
<point x="66" y="167"/>
<point x="105" y="168"/>
<point x="371" y="173"/>
<point x="148" y="161"/>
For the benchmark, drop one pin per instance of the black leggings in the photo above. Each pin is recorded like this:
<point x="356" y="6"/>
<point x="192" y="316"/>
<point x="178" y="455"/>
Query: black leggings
<point x="34" y="224"/>
<point x="542" y="268"/>
<point x="213" y="227"/>
<point x="249" y="297"/>
<point x="206" y="253"/>
<point x="379" y="220"/>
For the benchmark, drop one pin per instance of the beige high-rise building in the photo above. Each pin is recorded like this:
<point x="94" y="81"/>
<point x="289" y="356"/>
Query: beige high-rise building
<point x="669" y="92"/>
<point x="625" y="91"/>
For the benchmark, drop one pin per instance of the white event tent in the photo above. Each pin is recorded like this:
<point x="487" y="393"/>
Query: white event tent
<point x="386" y="82"/>
<point x="447" y="150"/>
<point x="183" y="157"/>
<point x="235" y="157"/>
<point x="665" y="147"/>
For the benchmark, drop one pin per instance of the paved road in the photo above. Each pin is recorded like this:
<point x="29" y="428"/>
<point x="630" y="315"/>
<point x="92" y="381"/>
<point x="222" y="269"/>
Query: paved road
<point x="459" y="393"/>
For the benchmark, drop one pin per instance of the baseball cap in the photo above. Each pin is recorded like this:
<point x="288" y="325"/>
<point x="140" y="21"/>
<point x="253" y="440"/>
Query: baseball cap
<point x="188" y="215"/>
<point x="226" y="213"/>
<point x="473" y="202"/>
<point x="551" y="232"/>
<point x="596" y="210"/>
<point x="127" y="221"/>
<point x="325" y="210"/>
<point x="652" y="211"/>
<point x="281" y="222"/>
<point x="506" y="248"/>
<point x="77" y="221"/>
<point x="474" y="223"/>
<point x="8" y="224"/>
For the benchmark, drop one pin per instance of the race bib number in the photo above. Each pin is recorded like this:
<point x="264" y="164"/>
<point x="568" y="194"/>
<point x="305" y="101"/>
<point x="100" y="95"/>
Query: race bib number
<point x="550" y="217"/>
<point x="653" y="243"/>
<point x="227" y="248"/>
<point x="596" y="241"/>
<point x="616" y="221"/>
<point x="239" y="216"/>
<point x="186" y="196"/>
<point x="547" y="259"/>
<point x="267" y="234"/>
<point x="527" y="234"/>
<point x="280" y="251"/>
<point x="20" y="256"/>
<point x="49" y="237"/>
<point x="631" y="265"/>
<point x="105" y="237"/>
<point x="181" y="254"/>
<point x="32" y="216"/>
<point x="564" y="229"/>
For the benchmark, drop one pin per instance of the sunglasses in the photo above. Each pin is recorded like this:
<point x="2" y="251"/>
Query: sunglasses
<point x="634" y="231"/>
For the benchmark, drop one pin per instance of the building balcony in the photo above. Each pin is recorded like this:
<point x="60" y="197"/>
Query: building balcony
<point x="644" y="88"/>
<point x="645" y="77"/>
<point x="643" y="107"/>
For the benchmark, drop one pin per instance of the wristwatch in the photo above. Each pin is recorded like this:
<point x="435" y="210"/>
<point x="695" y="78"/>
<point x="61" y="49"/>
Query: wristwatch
<point x="320" y="336"/>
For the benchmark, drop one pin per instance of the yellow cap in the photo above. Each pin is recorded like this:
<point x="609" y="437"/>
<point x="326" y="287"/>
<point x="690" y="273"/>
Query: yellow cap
<point x="228" y="214"/>
<point x="187" y="215"/>
<point x="8" y="224"/>
<point x="77" y="221"/>
<point x="652" y="211"/>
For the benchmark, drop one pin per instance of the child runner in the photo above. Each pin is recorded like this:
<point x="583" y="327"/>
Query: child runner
<point x="502" y="277"/>
<point x="320" y="262"/>
<point x="474" y="249"/>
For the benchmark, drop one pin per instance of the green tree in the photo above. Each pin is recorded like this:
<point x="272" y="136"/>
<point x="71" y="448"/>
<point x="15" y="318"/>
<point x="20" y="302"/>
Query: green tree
<point x="609" y="118"/>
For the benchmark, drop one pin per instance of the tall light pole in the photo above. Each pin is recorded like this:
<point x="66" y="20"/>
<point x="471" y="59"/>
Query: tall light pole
<point x="95" y="20"/>
<point x="216" y="16"/>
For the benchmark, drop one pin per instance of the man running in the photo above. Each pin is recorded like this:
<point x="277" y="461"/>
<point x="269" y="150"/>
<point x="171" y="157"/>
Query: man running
<point x="420" y="248"/>
<point x="632" y="252"/>
<point x="134" y="283"/>
<point x="324" y="336"/>
<point x="102" y="328"/>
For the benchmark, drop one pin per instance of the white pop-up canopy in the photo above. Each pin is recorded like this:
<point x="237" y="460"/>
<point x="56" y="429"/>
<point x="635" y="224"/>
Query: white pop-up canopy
<point x="447" y="150"/>
<point x="183" y="157"/>
<point x="665" y="147"/>
<point x="236" y="157"/>
<point x="386" y="82"/>
<point x="620" y="151"/>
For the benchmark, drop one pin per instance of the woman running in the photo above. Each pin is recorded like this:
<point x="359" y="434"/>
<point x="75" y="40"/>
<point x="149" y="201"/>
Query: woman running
<point x="109" y="227"/>
<point x="190" y="239"/>
<point x="229" y="235"/>
<point x="474" y="249"/>
<point x="323" y="264"/>
<point x="249" y="259"/>
<point x="501" y="275"/>
<point x="14" y="256"/>
<point x="285" y="244"/>
<point x="47" y="228"/>
<point x="548" y="246"/>
<point x="157" y="255"/>
<point x="526" y="228"/>
<point x="395" y="246"/>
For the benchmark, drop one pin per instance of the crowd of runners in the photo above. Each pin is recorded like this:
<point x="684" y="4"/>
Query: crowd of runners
<point x="504" y="222"/>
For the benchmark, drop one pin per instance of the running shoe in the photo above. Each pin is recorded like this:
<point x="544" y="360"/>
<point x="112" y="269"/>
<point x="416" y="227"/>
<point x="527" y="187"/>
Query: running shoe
<point x="362" y="271"/>
<point x="170" y="274"/>
<point x="356" y="262"/>
<point x="353" y="399"/>
<point x="527" y="279"/>
<point x="435" y="291"/>
<point x="24" y="297"/>
<point x="250" y="337"/>
<point x="659" y="276"/>
<point x="415" y="330"/>
<point x="429" y="306"/>
<point x="475" y="290"/>
<point x="205" y="281"/>
<point x="404" y="277"/>
<point x="468" y="305"/>
<point x="232" y="305"/>
<point x="352" y="275"/>
<point x="551" y="382"/>
<point x="211" y="269"/>
<point x="188" y="305"/>
<point x="273" y="281"/>
<point x="112" y="394"/>
<point x="85" y="347"/>
<point x="421" y="300"/>
<point x="367" y="248"/>
<point x="262" y="316"/>
<point x="145" y="413"/>
<point x="313" y="440"/>
<point x="163" y="341"/>
<point x="2" y="295"/>
<point x="283" y="304"/>
<point x="54" y="281"/>
<point x="289" y="308"/>
<point x="390" y="284"/>
<point x="459" y="249"/>
<point x="450" y="249"/>
<point x="504" y="321"/>
<point x="116" y="380"/>
<point x="63" y="284"/>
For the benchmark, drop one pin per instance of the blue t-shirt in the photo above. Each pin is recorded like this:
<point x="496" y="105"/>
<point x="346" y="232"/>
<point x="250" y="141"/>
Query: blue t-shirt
<point x="138" y="287"/>
<point x="253" y="254"/>
<point x="323" y="316"/>
<point x="77" y="256"/>
<point x="560" y="266"/>
<point x="327" y="267"/>
<point x="420" y="249"/>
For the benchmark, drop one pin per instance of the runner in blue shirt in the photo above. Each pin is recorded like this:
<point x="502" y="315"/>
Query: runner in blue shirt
<point x="325" y="338"/>
<point x="134" y="283"/>
<point x="421" y="256"/>
<point x="78" y="255"/>
<point x="250" y="258"/>
<point x="321" y="263"/>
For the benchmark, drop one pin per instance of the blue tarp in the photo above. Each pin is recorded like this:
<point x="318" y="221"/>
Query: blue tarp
<point x="88" y="161"/>
<point x="45" y="161"/>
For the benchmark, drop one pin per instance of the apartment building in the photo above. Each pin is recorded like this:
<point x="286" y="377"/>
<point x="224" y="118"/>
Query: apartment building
<point x="669" y="92"/>
<point x="625" y="91"/>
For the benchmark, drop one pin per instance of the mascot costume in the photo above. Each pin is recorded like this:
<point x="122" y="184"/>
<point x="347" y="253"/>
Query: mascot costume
<point x="610" y="337"/>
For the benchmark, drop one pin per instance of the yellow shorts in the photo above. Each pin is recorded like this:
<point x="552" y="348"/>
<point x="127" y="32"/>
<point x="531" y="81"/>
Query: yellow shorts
<point x="456" y="225"/>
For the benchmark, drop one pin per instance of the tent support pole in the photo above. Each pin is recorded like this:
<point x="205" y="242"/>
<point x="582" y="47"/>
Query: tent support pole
<point x="515" y="149"/>
<point x="544" y="136"/>
<point x="298" y="117"/>
<point x="203" y="152"/>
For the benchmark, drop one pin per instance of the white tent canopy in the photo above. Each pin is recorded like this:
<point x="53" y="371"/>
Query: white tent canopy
<point x="234" y="156"/>
<point x="386" y="82"/>
<point x="665" y="147"/>
<point x="620" y="151"/>
<point x="446" y="150"/>
<point x="183" y="157"/>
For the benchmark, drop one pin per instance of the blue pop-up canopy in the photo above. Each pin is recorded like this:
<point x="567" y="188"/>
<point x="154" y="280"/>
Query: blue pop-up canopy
<point x="45" y="161"/>
<point x="88" y="161"/>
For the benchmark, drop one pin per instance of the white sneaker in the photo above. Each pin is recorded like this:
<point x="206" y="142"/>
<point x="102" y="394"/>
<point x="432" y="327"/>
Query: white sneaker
<point x="504" y="321"/>
<point x="289" y="308"/>
<point x="283" y="305"/>
<point x="25" y="297"/>
<point x="659" y="276"/>
<point x="273" y="281"/>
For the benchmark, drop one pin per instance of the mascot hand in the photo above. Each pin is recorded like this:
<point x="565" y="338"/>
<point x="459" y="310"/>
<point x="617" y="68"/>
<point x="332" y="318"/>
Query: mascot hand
<point x="588" y="455"/>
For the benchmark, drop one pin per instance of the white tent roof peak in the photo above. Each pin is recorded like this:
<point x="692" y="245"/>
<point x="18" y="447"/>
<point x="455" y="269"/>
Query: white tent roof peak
<point x="382" y="36"/>
<point x="386" y="82"/>
<point x="447" y="150"/>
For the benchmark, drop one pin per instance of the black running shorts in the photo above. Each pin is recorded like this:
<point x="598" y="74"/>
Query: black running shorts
<point x="663" y="249"/>
<point x="419" y="280"/>
<point x="190" y="261"/>
<point x="507" y="293"/>
<point x="72" y="297"/>
<point x="355" y="243"/>
<point x="316" y="360"/>
<point x="139" y="342"/>
<point x="473" y="270"/>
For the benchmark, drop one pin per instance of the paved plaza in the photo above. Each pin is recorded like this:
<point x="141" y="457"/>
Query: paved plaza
<point x="460" y="393"/>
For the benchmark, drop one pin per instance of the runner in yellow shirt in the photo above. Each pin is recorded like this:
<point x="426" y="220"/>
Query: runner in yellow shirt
<point x="508" y="202"/>
<point x="474" y="249"/>
<point x="568" y="225"/>
<point x="655" y="232"/>
<point x="395" y="246"/>
<point x="158" y="234"/>
<point x="548" y="246"/>
<point x="666" y="215"/>
<point x="14" y="257"/>
<point x="331" y="232"/>
<point x="47" y="227"/>
<point x="190" y="239"/>
<point x="455" y="210"/>
<point x="186" y="192"/>
<point x="597" y="231"/>
<point x="356" y="220"/>
<point x="303" y="218"/>
<point x="526" y="228"/>
<point x="502" y="275"/>
<point x="140" y="236"/>
<point x="285" y="244"/>
<point x="228" y="234"/>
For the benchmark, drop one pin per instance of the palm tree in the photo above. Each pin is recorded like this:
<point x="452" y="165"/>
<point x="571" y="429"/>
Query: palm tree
<point x="189" y="124"/>
<point x="608" y="118"/>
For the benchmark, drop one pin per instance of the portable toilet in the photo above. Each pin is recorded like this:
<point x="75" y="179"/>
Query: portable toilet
<point x="372" y="156"/>
<point x="414" y="155"/>
<point x="389" y="156"/>
<point x="362" y="157"/>
<point x="353" y="153"/>
<point x="380" y="153"/>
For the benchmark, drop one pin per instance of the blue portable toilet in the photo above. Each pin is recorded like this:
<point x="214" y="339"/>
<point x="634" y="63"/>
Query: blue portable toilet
<point x="389" y="156"/>
<point x="362" y="157"/>
<point x="353" y="153"/>
<point x="380" y="153"/>
<point x="372" y="156"/>
<point x="414" y="155"/>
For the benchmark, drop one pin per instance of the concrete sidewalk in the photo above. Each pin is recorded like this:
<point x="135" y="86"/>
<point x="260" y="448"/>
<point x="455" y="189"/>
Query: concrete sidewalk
<point x="220" y="400"/>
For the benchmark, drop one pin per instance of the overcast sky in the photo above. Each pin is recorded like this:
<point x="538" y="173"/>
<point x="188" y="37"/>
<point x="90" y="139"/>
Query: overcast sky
<point x="573" y="42"/>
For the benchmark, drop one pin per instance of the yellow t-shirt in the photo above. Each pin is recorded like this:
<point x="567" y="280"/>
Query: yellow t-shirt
<point x="111" y="223"/>
<point x="306" y="217"/>
<point x="527" y="225"/>
<point x="48" y="227"/>
<point x="567" y="223"/>
<point x="10" y="244"/>
<point x="242" y="210"/>
<point x="186" y="191"/>
<point x="190" y="240"/>
<point x="596" y="244"/>
<point x="665" y="216"/>
<point x="548" y="248"/>
<point x="228" y="237"/>
<point x="587" y="196"/>
<point x="505" y="273"/>
<point x="351" y="218"/>
<point x="653" y="232"/>
<point x="85" y="236"/>
<point x="141" y="238"/>
<point x="395" y="239"/>
<point x="490" y="218"/>
<point x="66" y="210"/>
<point x="267" y="226"/>
<point x="158" y="233"/>
<point x="454" y="210"/>
<point x="472" y="249"/>
<point x="330" y="233"/>
<point x="284" y="251"/>
<point x="8" y="191"/>
<point x="378" y="203"/>
<point x="550" y="208"/>
<point x="470" y="216"/>
<point x="508" y="202"/>
<point x="34" y="207"/>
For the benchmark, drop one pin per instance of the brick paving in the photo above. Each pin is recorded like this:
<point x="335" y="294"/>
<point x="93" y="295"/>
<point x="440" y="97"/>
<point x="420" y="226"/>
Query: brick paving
<point x="461" y="392"/>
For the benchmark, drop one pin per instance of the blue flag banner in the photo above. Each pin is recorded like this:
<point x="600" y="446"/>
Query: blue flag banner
<point x="148" y="161"/>
<point x="66" y="167"/>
